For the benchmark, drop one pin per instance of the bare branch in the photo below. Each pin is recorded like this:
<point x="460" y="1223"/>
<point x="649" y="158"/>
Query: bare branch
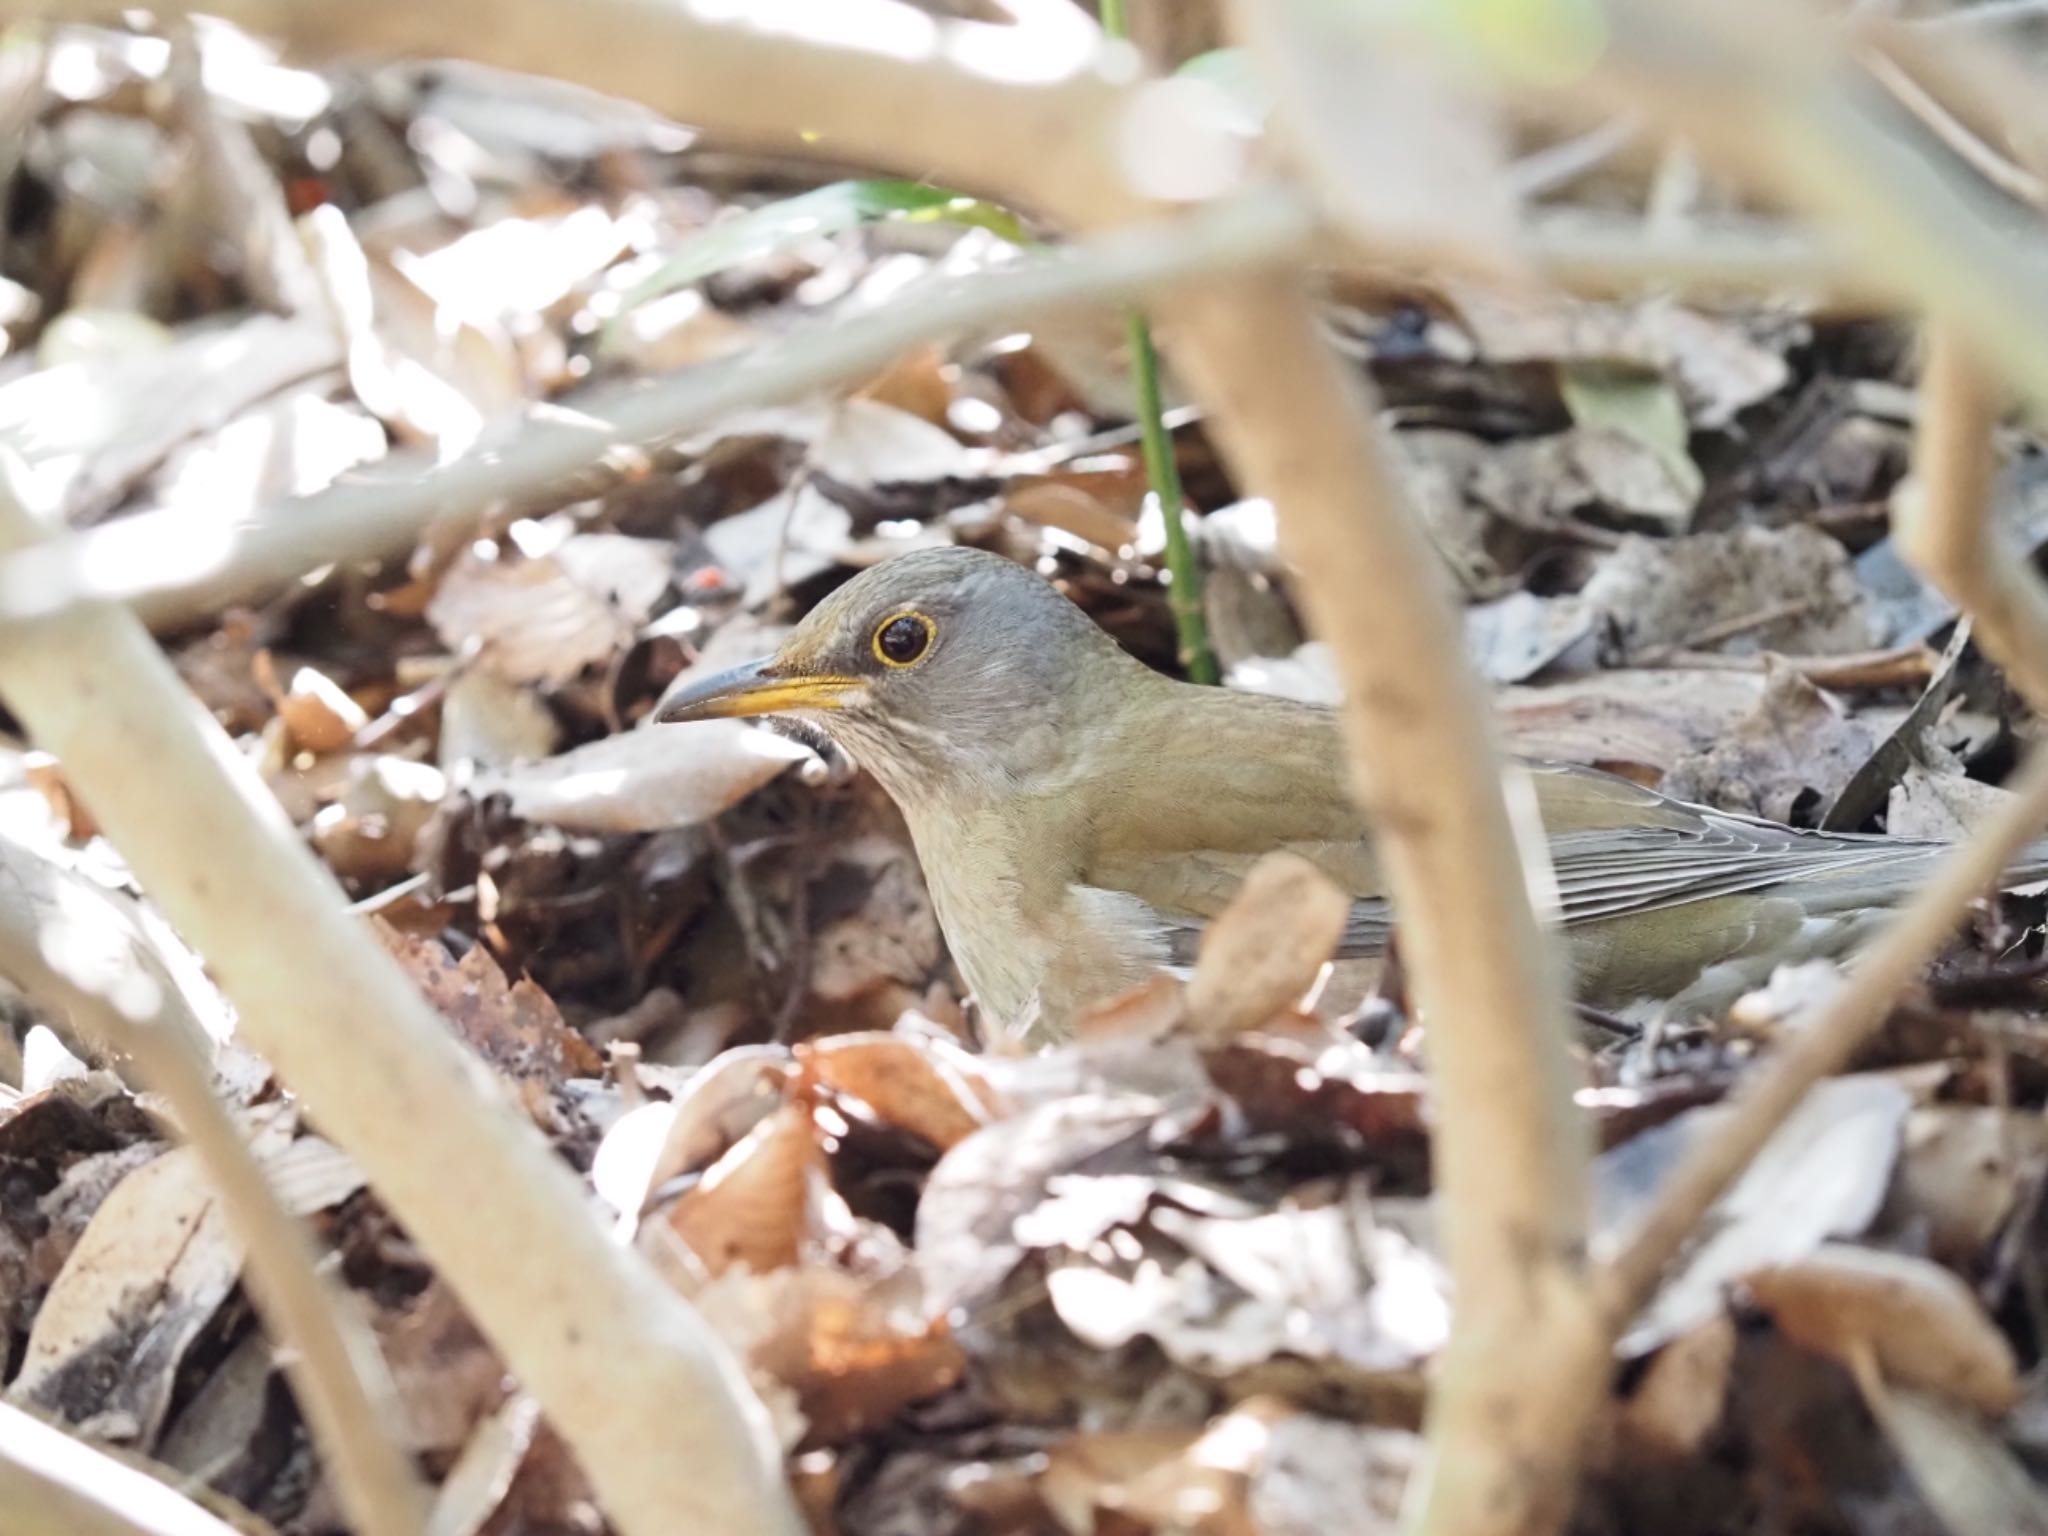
<point x="871" y="82"/>
<point x="656" y="1410"/>
<point x="335" y="1370"/>
<point x="1939" y="517"/>
<point x="1764" y="93"/>
<point x="1525" y="1361"/>
<point x="147" y="559"/>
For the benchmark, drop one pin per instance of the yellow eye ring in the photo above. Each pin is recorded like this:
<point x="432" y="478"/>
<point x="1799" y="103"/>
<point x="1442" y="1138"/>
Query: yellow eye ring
<point x="902" y="639"/>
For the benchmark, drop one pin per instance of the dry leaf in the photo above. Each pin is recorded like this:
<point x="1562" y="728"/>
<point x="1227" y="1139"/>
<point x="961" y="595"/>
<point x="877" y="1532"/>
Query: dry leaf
<point x="544" y="619"/>
<point x="492" y="722"/>
<point x="371" y="831"/>
<point x="154" y="1263"/>
<point x="855" y="1351"/>
<point x="1521" y="634"/>
<point x="1265" y="950"/>
<point x="317" y="712"/>
<point x="753" y="1205"/>
<point x="515" y="1026"/>
<point x="928" y="1087"/>
<point x="1961" y="1177"/>
<point x="1942" y="807"/>
<point x="1920" y="1324"/>
<point x="1636" y="722"/>
<point x="1684" y="1391"/>
<point x="647" y="780"/>
<point x="91" y="429"/>
<point x="1790" y="590"/>
<point x="1823" y="1174"/>
<point x="1785" y="761"/>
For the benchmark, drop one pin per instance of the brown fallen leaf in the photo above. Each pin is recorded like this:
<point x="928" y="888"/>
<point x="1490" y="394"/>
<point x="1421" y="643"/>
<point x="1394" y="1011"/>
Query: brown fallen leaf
<point x="1943" y="806"/>
<point x="514" y="1025"/>
<point x="544" y="618"/>
<point x="925" y="1086"/>
<point x="920" y="382"/>
<point x="1636" y="722"/>
<point x="372" y="830"/>
<point x="1917" y="1321"/>
<point x="446" y="1377"/>
<point x="318" y="713"/>
<point x="854" y="1351"/>
<point x="1263" y="1469"/>
<point x="1964" y="1169"/>
<point x="1785" y="761"/>
<point x="1264" y="950"/>
<point x="1684" y="1390"/>
<point x="753" y="1206"/>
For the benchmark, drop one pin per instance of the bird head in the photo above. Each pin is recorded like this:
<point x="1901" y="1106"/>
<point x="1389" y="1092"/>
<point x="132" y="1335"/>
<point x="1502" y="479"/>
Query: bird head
<point x="935" y="669"/>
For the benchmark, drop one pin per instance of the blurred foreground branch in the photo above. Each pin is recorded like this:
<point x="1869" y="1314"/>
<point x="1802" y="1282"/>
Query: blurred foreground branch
<point x="1509" y="1153"/>
<point x="658" y="1414"/>
<point x="327" y="1351"/>
<point x="148" y="559"/>
<point x="53" y="1484"/>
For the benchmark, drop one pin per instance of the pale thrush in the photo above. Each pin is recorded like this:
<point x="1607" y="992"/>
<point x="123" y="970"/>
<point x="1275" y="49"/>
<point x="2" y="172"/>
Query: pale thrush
<point x="1079" y="816"/>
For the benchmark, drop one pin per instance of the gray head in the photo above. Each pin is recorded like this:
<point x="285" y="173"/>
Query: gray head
<point x="936" y="669"/>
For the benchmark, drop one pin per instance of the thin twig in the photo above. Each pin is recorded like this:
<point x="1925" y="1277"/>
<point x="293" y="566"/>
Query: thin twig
<point x="1558" y="165"/>
<point x="335" y="1370"/>
<point x="1939" y="523"/>
<point x="1602" y="255"/>
<point x="145" y="559"/>
<point x="2016" y="181"/>
<point x="1763" y="92"/>
<point x="657" y="1412"/>
<point x="1815" y="1048"/>
<point x="1901" y="666"/>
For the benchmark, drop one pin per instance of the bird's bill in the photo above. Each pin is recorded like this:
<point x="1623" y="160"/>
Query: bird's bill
<point x="756" y="688"/>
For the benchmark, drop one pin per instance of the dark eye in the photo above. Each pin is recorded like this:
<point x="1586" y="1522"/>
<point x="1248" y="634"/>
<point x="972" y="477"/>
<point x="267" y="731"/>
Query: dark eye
<point x="901" y="641"/>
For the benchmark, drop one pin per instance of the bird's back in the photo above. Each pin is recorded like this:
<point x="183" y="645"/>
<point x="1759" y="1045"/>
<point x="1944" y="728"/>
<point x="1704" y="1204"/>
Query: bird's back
<point x="1659" y="899"/>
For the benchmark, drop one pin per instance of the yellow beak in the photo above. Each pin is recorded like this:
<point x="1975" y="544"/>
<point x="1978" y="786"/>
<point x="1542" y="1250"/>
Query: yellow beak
<point x="752" y="689"/>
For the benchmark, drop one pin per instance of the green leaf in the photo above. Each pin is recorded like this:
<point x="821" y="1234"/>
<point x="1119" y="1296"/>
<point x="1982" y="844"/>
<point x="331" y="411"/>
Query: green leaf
<point x="1639" y="403"/>
<point x="828" y="211"/>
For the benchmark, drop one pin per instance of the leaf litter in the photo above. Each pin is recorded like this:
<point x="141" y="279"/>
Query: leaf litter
<point x="1181" y="1273"/>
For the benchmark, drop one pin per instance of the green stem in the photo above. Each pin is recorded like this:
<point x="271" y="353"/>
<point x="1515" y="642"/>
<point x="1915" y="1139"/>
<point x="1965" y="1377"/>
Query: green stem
<point x="1184" y="589"/>
<point x="1184" y="576"/>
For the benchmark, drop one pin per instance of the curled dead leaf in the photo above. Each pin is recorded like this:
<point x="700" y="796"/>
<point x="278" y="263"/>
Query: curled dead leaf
<point x="1263" y="952"/>
<point x="153" y="1264"/>
<point x="753" y="1206"/>
<point x="1918" y="1321"/>
<point x="925" y="1086"/>
<point x="373" y="829"/>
